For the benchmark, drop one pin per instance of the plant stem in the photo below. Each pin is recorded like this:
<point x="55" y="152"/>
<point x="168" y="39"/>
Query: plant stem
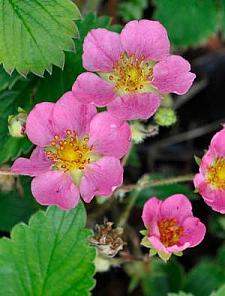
<point x="132" y="199"/>
<point x="154" y="183"/>
<point x="6" y="173"/>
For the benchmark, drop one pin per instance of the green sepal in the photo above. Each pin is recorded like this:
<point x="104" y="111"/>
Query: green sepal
<point x="197" y="160"/>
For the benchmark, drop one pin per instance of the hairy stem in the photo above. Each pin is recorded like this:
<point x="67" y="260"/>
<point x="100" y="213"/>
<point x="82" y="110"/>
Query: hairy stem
<point x="154" y="183"/>
<point x="7" y="173"/>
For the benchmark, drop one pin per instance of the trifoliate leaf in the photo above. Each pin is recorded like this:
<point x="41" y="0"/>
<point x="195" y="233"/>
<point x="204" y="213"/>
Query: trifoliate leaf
<point x="50" y="256"/>
<point x="34" y="34"/>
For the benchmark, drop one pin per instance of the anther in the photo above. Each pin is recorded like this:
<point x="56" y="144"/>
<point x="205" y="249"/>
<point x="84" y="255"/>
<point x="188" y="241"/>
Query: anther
<point x="68" y="132"/>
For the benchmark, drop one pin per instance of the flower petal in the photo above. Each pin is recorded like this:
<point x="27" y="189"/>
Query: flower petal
<point x="217" y="144"/>
<point x="90" y="88"/>
<point x="194" y="231"/>
<point x="151" y="210"/>
<point x="145" y="38"/>
<point x="109" y="135"/>
<point x="55" y="188"/>
<point x="178" y="248"/>
<point x="37" y="164"/>
<point x="173" y="75"/>
<point x="176" y="206"/>
<point x="150" y="215"/>
<point x="101" y="178"/>
<point x="134" y="106"/>
<point x="207" y="161"/>
<point x="39" y="127"/>
<point x="68" y="113"/>
<point x="102" y="49"/>
<point x="157" y="245"/>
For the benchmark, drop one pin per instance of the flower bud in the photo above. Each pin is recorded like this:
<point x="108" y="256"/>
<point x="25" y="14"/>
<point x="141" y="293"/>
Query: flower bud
<point x="165" y="117"/>
<point x="17" y="123"/>
<point x="140" y="132"/>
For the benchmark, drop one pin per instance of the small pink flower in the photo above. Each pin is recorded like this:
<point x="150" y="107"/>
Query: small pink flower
<point x="171" y="227"/>
<point x="77" y="152"/>
<point x="134" y="68"/>
<point x="210" y="181"/>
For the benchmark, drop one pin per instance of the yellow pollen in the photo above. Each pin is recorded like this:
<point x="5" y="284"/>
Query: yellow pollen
<point x="70" y="153"/>
<point x="131" y="74"/>
<point x="170" y="232"/>
<point x="216" y="174"/>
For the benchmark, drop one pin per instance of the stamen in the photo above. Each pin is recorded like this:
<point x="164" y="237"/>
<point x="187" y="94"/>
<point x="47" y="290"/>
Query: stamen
<point x="69" y="153"/>
<point x="170" y="232"/>
<point x="216" y="174"/>
<point x="131" y="74"/>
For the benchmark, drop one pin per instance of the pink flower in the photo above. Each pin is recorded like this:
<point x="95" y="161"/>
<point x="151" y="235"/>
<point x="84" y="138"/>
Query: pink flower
<point x="210" y="181"/>
<point x="77" y="152"/>
<point x="134" y="68"/>
<point x="171" y="227"/>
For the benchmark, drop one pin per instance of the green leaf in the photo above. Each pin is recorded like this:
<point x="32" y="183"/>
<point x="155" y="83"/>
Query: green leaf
<point x="216" y="225"/>
<point x="34" y="34"/>
<point x="50" y="256"/>
<point x="181" y="293"/>
<point x="188" y="22"/>
<point x="221" y="255"/>
<point x="132" y="9"/>
<point x="11" y="147"/>
<point x="163" y="278"/>
<point x="16" y="205"/>
<point x="204" y="278"/>
<point x="7" y="81"/>
<point x="220" y="292"/>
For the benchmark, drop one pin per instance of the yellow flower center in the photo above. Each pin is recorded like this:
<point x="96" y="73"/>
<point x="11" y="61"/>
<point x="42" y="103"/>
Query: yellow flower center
<point x="69" y="154"/>
<point x="216" y="174"/>
<point x="131" y="74"/>
<point x="170" y="232"/>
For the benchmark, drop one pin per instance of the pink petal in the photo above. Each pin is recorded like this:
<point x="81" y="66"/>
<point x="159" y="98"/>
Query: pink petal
<point x="157" y="245"/>
<point x="102" y="49"/>
<point x="176" y="206"/>
<point x="39" y="127"/>
<point x="215" y="199"/>
<point x="194" y="231"/>
<point x="207" y="161"/>
<point x="55" y="188"/>
<point x="145" y="38"/>
<point x="178" y="248"/>
<point x="208" y="193"/>
<point x="101" y="178"/>
<point x="90" y="88"/>
<point x="109" y="135"/>
<point x="151" y="210"/>
<point x="217" y="144"/>
<point x="150" y="215"/>
<point x="173" y="75"/>
<point x="70" y="114"/>
<point x="134" y="106"/>
<point x="36" y="165"/>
